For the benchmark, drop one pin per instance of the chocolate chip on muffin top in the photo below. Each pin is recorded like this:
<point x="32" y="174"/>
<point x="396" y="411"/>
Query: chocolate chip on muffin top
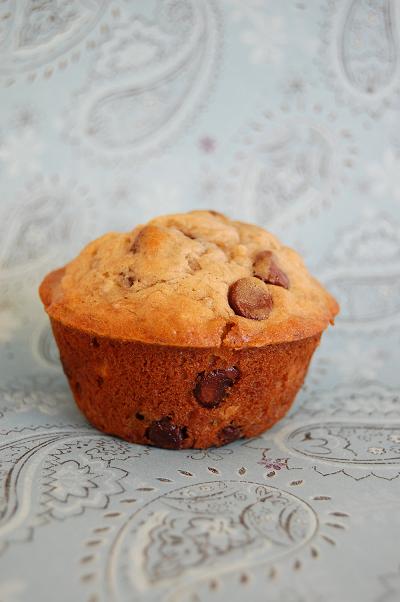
<point x="195" y="279"/>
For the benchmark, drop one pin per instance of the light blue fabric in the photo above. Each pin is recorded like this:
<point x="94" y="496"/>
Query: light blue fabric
<point x="283" y="114"/>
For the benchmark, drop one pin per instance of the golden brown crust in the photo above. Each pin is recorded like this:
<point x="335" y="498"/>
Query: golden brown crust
<point x="181" y="397"/>
<point x="167" y="283"/>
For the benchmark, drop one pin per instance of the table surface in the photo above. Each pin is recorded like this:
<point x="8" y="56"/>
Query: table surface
<point x="284" y="114"/>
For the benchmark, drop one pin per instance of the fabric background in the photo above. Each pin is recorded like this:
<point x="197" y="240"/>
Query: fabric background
<point x="285" y="114"/>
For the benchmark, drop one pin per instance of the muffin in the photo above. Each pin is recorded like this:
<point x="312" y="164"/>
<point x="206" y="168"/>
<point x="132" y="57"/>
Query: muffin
<point x="188" y="332"/>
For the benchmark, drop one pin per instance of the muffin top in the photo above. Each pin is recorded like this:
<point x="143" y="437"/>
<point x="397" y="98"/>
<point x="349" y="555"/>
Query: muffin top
<point x="193" y="279"/>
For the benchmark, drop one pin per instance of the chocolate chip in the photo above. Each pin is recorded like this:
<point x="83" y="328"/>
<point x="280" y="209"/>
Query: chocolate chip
<point x="216" y="213"/>
<point x="94" y="342"/>
<point x="230" y="433"/>
<point x="139" y="416"/>
<point x="193" y="264"/>
<point x="212" y="387"/>
<point x="164" y="433"/>
<point x="126" y="280"/>
<point x="135" y="246"/>
<point x="277" y="277"/>
<point x="266" y="268"/>
<point x="187" y="234"/>
<point x="250" y="298"/>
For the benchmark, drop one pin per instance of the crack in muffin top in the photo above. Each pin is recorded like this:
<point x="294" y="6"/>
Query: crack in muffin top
<point x="194" y="279"/>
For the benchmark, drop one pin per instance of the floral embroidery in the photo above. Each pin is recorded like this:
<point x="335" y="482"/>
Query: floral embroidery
<point x="273" y="465"/>
<point x="77" y="485"/>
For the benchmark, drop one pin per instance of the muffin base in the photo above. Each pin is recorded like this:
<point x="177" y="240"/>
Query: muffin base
<point x="144" y="393"/>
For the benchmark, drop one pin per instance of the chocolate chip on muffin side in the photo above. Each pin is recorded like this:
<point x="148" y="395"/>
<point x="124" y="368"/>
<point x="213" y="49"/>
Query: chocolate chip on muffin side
<point x="212" y="387"/>
<point x="204" y="329"/>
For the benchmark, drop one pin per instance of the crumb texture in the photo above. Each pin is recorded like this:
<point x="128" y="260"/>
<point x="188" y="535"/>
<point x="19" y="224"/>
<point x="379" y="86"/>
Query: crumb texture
<point x="174" y="281"/>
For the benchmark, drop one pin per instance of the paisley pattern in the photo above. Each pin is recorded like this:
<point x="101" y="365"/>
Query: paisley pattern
<point x="348" y="443"/>
<point x="343" y="434"/>
<point x="35" y="33"/>
<point x="48" y="221"/>
<point x="369" y="69"/>
<point x="74" y="473"/>
<point x="366" y="401"/>
<point x="361" y="41"/>
<point x="150" y="79"/>
<point x="206" y="528"/>
<point x="288" y="166"/>
<point x="363" y="270"/>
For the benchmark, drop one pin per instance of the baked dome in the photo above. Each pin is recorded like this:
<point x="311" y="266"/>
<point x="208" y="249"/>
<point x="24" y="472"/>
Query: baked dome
<point x="193" y="279"/>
